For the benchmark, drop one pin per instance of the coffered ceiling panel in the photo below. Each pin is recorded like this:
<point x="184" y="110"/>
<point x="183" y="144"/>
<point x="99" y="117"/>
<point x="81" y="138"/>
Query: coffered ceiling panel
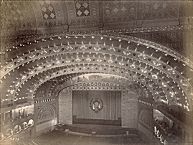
<point x="83" y="14"/>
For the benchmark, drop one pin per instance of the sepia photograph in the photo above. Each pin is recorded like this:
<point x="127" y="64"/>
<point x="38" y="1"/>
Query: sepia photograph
<point x="96" y="72"/>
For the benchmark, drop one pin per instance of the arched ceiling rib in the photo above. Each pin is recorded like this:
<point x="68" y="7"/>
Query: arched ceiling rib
<point x="85" y="52"/>
<point x="53" y="46"/>
<point x="153" y="65"/>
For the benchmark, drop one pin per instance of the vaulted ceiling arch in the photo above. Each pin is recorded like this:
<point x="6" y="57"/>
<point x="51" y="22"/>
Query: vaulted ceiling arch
<point x="145" y="58"/>
<point x="86" y="68"/>
<point x="91" y="68"/>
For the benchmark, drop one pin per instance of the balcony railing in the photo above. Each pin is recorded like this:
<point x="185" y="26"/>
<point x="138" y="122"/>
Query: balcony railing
<point x="181" y="117"/>
<point x="17" y="120"/>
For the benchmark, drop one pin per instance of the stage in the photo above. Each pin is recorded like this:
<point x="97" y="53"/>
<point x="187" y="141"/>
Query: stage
<point x="97" y="130"/>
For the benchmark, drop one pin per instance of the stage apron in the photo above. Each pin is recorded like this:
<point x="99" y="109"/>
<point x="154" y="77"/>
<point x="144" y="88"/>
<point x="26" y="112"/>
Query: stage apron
<point x="96" y="107"/>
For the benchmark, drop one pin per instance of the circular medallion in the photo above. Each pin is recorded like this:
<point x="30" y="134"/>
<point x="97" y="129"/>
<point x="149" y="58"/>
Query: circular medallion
<point x="96" y="104"/>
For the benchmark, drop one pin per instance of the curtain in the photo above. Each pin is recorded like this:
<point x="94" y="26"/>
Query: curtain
<point x="111" y="102"/>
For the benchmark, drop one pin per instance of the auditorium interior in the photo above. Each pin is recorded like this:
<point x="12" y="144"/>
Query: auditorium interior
<point x="96" y="72"/>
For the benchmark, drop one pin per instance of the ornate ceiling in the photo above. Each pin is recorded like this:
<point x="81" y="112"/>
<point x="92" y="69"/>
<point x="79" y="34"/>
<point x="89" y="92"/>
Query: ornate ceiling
<point x="45" y="17"/>
<point x="53" y="42"/>
<point x="158" y="69"/>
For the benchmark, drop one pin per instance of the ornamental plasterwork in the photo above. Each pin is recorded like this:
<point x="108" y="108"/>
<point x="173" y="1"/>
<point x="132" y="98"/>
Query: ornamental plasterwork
<point x="96" y="104"/>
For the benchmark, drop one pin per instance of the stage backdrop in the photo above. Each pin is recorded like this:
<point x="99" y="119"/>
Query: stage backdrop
<point x="96" y="106"/>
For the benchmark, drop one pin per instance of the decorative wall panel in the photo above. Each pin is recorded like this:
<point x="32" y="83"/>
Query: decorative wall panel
<point x="129" y="14"/>
<point x="48" y="11"/>
<point x="89" y="15"/>
<point x="44" y="112"/>
<point x="119" y="11"/>
<point x="157" y="10"/>
<point x="82" y="8"/>
<point x="45" y="115"/>
<point x="83" y="15"/>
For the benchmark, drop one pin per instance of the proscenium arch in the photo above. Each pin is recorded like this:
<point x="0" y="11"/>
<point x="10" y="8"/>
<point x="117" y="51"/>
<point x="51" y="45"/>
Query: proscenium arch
<point x="103" y="70"/>
<point x="90" y="71"/>
<point x="126" y="85"/>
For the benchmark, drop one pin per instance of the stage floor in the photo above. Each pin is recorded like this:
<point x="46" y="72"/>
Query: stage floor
<point x="92" y="129"/>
